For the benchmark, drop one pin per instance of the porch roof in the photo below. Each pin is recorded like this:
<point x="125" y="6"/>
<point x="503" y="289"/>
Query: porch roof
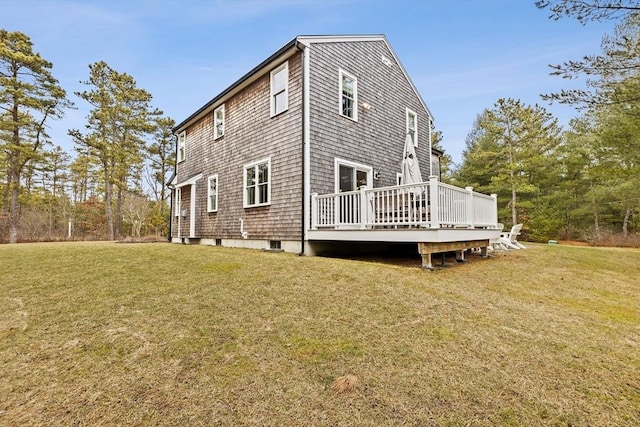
<point x="189" y="181"/>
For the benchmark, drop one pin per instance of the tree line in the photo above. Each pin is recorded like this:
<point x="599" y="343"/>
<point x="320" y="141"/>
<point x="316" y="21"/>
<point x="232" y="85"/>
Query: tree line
<point x="577" y="183"/>
<point x="583" y="182"/>
<point x="115" y="184"/>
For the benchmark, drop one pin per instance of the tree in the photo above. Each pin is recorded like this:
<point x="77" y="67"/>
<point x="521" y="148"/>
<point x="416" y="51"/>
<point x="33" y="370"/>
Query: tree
<point x="509" y="152"/>
<point x="135" y="210"/>
<point x="161" y="157"/>
<point x="29" y="97"/>
<point x="120" y="118"/>
<point x="161" y="164"/>
<point x="589" y="10"/>
<point x="620" y="58"/>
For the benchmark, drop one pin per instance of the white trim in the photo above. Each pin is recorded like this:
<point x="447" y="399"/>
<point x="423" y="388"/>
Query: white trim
<point x="189" y="181"/>
<point x="306" y="209"/>
<point x="413" y="235"/>
<point x="182" y="145"/>
<point x="308" y="40"/>
<point x="272" y="94"/>
<point x="415" y="131"/>
<point x="241" y="85"/>
<point x="342" y="73"/>
<point x="218" y="134"/>
<point x="336" y="164"/>
<point x="209" y="208"/>
<point x="192" y="211"/>
<point x="177" y="203"/>
<point x="244" y="183"/>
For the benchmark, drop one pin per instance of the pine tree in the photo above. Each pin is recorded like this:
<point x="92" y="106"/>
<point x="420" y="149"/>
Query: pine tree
<point x="120" y="118"/>
<point x="29" y="97"/>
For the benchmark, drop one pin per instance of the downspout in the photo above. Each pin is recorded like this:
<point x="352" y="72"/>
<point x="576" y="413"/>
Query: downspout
<point x="303" y="145"/>
<point x="170" y="214"/>
<point x="172" y="188"/>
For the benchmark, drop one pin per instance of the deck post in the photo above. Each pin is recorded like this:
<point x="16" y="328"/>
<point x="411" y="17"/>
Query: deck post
<point x="470" y="219"/>
<point x="314" y="211"/>
<point x="495" y="206"/>
<point x="434" y="207"/>
<point x="426" y="262"/>
<point x="364" y="208"/>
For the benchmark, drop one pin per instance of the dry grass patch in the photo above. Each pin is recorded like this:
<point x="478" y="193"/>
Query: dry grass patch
<point x="140" y="334"/>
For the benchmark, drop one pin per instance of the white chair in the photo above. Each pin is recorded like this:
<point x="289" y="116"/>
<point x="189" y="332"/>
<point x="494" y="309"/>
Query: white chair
<point x="496" y="244"/>
<point x="510" y="239"/>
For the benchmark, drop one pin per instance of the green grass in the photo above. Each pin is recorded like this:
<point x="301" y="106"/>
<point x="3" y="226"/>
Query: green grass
<point x="160" y="334"/>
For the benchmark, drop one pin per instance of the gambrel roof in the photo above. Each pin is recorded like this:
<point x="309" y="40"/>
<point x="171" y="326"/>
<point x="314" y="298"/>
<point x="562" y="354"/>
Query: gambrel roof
<point x="296" y="44"/>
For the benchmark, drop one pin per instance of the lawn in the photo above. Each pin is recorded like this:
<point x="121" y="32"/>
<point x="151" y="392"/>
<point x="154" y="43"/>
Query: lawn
<point x="161" y="334"/>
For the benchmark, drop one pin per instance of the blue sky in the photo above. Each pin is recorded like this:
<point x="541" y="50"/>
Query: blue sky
<point x="463" y="55"/>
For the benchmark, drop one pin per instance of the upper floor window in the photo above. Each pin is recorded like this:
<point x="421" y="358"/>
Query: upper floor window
<point x="218" y="122"/>
<point x="348" y="95"/>
<point x="182" y="146"/>
<point x="280" y="89"/>
<point x="412" y="126"/>
<point x="257" y="183"/>
<point x="212" y="193"/>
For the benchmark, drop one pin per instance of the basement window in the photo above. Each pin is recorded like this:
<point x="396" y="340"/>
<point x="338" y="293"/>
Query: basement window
<point x="275" y="245"/>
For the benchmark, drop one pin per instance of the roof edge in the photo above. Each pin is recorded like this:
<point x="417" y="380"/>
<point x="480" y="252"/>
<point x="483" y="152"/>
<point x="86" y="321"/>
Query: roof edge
<point x="280" y="52"/>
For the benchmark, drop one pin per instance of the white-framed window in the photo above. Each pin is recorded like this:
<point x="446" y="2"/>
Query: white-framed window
<point x="412" y="126"/>
<point x="398" y="178"/>
<point x="182" y="146"/>
<point x="280" y="89"/>
<point x="348" y="95"/>
<point x="218" y="122"/>
<point x="177" y="203"/>
<point x="212" y="193"/>
<point x="350" y="176"/>
<point x="257" y="183"/>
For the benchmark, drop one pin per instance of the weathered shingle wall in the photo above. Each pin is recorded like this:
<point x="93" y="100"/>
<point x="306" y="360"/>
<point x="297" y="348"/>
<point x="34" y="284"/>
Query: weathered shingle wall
<point x="250" y="135"/>
<point x="377" y="138"/>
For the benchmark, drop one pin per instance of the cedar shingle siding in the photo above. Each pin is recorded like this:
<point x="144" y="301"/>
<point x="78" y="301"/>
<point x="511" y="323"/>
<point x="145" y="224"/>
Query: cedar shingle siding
<point x="250" y="135"/>
<point x="377" y="138"/>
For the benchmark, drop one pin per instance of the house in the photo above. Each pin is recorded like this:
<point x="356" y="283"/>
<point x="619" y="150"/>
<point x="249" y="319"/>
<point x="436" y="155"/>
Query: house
<point x="305" y="150"/>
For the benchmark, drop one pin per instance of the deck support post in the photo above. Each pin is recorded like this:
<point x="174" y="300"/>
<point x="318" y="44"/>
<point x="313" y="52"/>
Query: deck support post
<point x="427" y="249"/>
<point x="426" y="261"/>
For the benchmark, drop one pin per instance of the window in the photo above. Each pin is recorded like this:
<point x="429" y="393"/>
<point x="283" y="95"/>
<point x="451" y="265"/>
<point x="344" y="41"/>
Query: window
<point x="280" y="89"/>
<point x="212" y="193"/>
<point x="257" y="183"/>
<point x="412" y="126"/>
<point x="348" y="95"/>
<point x="398" y="178"/>
<point x="177" y="201"/>
<point x="218" y="122"/>
<point x="182" y="146"/>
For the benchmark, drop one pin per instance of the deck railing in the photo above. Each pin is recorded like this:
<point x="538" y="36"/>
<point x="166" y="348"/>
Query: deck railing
<point x="430" y="204"/>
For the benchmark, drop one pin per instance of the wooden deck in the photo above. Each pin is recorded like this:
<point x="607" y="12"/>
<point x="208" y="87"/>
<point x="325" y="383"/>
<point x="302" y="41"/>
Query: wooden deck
<point x="436" y="216"/>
